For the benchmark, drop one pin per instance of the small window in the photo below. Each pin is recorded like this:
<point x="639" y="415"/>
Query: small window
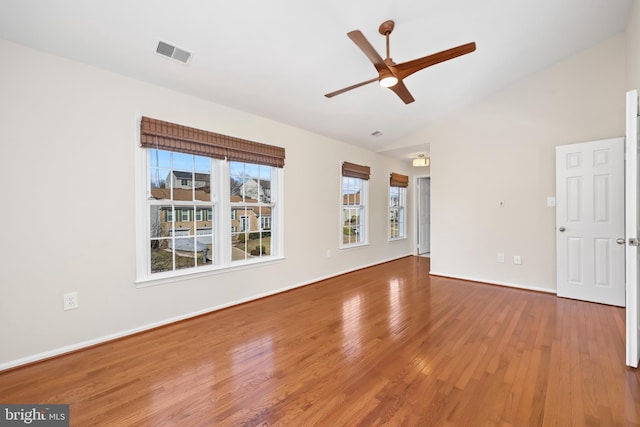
<point x="265" y="223"/>
<point x="354" y="204"/>
<point x="397" y="205"/>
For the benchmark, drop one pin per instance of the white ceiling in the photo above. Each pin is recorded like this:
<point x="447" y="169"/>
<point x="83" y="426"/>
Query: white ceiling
<point x="277" y="58"/>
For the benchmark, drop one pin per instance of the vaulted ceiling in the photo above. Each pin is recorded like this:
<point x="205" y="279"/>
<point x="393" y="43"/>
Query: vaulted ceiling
<point x="278" y="58"/>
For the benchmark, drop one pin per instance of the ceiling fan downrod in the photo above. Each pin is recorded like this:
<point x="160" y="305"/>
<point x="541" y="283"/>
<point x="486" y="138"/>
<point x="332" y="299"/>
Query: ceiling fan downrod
<point x="385" y="29"/>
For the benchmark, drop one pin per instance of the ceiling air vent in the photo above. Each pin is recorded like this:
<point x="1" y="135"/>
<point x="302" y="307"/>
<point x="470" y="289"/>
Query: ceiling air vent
<point x="173" y="52"/>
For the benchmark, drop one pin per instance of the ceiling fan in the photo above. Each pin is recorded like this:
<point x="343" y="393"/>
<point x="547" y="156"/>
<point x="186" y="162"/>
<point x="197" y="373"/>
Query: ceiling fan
<point x="391" y="74"/>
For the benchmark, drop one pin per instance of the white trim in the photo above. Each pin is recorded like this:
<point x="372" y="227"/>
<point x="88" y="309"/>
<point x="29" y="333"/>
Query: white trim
<point x="160" y="279"/>
<point x="222" y="216"/>
<point x="277" y="214"/>
<point x="414" y="212"/>
<point x="494" y="282"/>
<point x="106" y="338"/>
<point x="632" y="321"/>
<point x="141" y="216"/>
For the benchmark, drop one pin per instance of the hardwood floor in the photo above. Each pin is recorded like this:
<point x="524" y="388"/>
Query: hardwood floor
<point x="387" y="345"/>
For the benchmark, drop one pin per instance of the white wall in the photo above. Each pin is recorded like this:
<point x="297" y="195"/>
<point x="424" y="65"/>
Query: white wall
<point x="633" y="47"/>
<point x="67" y="135"/>
<point x="503" y="148"/>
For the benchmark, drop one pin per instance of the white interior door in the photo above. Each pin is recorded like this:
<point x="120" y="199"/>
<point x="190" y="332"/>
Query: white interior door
<point x="590" y="221"/>
<point x="632" y="226"/>
<point x="424" y="215"/>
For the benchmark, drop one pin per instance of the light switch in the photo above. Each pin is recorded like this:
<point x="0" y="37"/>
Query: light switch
<point x="551" y="202"/>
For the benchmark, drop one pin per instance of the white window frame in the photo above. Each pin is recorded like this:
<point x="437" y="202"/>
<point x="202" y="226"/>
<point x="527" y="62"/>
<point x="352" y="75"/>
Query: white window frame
<point x="363" y="206"/>
<point x="402" y="213"/>
<point x="221" y="224"/>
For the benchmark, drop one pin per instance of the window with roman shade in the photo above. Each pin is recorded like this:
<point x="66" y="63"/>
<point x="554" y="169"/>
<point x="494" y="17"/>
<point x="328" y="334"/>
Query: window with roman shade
<point x="173" y="137"/>
<point x="211" y="200"/>
<point x="398" y="184"/>
<point x="356" y="171"/>
<point x="354" y="204"/>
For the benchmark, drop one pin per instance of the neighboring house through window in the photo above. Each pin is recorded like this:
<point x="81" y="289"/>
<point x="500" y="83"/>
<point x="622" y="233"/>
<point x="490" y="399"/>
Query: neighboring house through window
<point x="190" y="225"/>
<point x="354" y="227"/>
<point x="251" y="203"/>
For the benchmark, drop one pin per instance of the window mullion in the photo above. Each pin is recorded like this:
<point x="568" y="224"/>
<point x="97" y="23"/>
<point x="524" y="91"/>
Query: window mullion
<point x="224" y="212"/>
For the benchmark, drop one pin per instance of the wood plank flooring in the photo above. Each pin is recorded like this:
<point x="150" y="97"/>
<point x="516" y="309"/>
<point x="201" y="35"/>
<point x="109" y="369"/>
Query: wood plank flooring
<point x="387" y="345"/>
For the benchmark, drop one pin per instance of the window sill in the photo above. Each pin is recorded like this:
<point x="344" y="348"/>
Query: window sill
<point x="165" y="278"/>
<point x="353" y="246"/>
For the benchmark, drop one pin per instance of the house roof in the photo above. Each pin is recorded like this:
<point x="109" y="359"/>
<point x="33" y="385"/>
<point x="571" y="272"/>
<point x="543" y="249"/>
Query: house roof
<point x="182" y="194"/>
<point x="265" y="184"/>
<point x="188" y="175"/>
<point x="185" y="195"/>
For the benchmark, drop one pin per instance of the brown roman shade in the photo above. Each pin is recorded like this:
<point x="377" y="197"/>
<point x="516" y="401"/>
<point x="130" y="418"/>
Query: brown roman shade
<point x="397" y="180"/>
<point x="172" y="137"/>
<point x="355" y="171"/>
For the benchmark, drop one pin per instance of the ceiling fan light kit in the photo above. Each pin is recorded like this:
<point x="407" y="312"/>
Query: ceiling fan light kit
<point x="387" y="79"/>
<point x="421" y="161"/>
<point x="390" y="74"/>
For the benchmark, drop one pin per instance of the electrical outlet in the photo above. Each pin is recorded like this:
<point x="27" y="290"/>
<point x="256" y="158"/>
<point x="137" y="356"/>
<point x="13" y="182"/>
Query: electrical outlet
<point x="517" y="259"/>
<point x="70" y="301"/>
<point x="500" y="257"/>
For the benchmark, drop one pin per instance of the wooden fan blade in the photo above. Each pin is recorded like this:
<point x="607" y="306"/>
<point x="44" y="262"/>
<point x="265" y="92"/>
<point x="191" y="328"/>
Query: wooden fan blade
<point x="364" y="45"/>
<point x="401" y="90"/>
<point x="338" y="92"/>
<point x="407" y="68"/>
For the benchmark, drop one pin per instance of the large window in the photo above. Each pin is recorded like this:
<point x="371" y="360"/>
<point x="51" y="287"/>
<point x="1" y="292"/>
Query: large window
<point x="354" y="204"/>
<point x="397" y="205"/>
<point x="202" y="212"/>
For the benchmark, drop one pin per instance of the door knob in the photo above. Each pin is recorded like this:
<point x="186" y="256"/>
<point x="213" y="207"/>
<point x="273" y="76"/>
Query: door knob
<point x="620" y="241"/>
<point x="561" y="229"/>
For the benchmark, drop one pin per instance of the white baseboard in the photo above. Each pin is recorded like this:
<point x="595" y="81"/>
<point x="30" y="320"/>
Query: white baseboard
<point x="494" y="282"/>
<point x="106" y="338"/>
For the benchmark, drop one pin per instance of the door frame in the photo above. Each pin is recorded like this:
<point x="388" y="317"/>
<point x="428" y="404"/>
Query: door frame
<point x="417" y="196"/>
<point x="632" y="223"/>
